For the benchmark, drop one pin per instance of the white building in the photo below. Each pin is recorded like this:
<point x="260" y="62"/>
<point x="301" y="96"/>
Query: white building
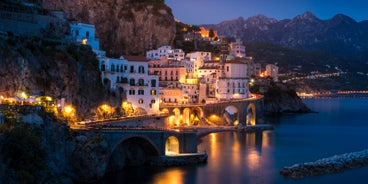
<point x="129" y="75"/>
<point x="237" y="49"/>
<point x="85" y="34"/>
<point x="233" y="80"/>
<point x="196" y="60"/>
<point x="272" y="71"/>
<point x="170" y="53"/>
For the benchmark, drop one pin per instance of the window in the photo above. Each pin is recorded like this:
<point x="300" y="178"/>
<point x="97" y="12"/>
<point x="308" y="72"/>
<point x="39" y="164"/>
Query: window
<point x="124" y="80"/>
<point x="140" y="92"/>
<point x="153" y="92"/>
<point x="153" y="101"/>
<point x="131" y="92"/>
<point x="125" y="67"/>
<point x="227" y="68"/>
<point x="140" y="69"/>
<point x="113" y="68"/>
<point x="76" y="32"/>
<point x="140" y="82"/>
<point x="87" y="34"/>
<point x="140" y="101"/>
<point x="103" y="67"/>
<point x="153" y="83"/>
<point x="132" y="82"/>
<point x="131" y="69"/>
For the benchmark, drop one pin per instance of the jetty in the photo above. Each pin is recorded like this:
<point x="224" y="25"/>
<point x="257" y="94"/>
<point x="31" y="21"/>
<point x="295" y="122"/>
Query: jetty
<point x="334" y="164"/>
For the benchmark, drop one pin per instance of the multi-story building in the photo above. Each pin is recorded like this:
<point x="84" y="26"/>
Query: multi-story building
<point x="85" y="34"/>
<point x="195" y="61"/>
<point x="170" y="53"/>
<point x="237" y="49"/>
<point x="129" y="76"/>
<point x="272" y="71"/>
<point x="169" y="73"/>
<point x="232" y="81"/>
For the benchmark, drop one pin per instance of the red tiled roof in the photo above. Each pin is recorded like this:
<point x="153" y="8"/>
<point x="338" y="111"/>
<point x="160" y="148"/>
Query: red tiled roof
<point x="136" y="58"/>
<point x="236" y="61"/>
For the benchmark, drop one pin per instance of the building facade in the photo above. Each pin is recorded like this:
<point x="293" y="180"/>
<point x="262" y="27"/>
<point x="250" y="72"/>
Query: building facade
<point x="167" y="51"/>
<point x="237" y="49"/>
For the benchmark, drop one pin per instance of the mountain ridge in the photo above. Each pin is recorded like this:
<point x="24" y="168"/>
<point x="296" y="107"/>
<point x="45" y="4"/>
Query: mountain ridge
<point x="339" y="35"/>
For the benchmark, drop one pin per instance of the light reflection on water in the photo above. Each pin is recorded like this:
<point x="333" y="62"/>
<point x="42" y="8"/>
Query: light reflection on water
<point x="256" y="158"/>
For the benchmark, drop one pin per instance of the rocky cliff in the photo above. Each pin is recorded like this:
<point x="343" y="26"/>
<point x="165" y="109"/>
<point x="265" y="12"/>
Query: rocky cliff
<point x="123" y="26"/>
<point x="50" y="151"/>
<point x="41" y="67"/>
<point x="279" y="99"/>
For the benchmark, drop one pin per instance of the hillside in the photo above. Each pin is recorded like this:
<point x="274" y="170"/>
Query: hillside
<point x="340" y="35"/>
<point x="41" y="67"/>
<point x="125" y="27"/>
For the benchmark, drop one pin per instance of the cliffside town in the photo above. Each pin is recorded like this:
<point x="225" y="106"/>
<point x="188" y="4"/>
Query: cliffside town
<point x="56" y="77"/>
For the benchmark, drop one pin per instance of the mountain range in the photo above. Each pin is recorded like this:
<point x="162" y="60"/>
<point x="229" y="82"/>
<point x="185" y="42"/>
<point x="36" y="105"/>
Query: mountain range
<point x="340" y="35"/>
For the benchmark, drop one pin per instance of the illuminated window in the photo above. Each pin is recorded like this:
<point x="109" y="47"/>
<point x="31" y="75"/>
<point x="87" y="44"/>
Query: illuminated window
<point x="140" y="101"/>
<point x="153" y="92"/>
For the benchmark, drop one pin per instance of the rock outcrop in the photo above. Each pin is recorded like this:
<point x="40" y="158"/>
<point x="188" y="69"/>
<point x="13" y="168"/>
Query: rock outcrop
<point x="334" y="164"/>
<point x="280" y="99"/>
<point x="129" y="27"/>
<point x="43" y="67"/>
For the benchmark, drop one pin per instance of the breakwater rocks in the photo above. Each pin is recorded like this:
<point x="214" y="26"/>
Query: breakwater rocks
<point x="182" y="159"/>
<point x="334" y="164"/>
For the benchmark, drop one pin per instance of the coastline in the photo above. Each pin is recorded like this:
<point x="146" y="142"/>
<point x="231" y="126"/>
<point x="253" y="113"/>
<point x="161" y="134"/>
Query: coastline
<point x="205" y="130"/>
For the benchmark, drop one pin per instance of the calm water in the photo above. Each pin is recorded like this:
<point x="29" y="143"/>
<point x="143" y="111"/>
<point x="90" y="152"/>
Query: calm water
<point x="340" y="126"/>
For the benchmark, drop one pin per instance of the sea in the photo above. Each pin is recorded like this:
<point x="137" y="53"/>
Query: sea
<point x="339" y="126"/>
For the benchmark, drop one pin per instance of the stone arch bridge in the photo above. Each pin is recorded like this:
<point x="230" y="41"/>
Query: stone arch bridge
<point x="133" y="147"/>
<point x="230" y="112"/>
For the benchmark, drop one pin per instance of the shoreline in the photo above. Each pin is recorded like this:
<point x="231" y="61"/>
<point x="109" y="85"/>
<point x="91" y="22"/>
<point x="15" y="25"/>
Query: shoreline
<point x="205" y="130"/>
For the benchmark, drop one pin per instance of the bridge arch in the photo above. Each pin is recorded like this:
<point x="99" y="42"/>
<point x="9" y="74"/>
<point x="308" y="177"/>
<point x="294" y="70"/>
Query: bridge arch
<point x="172" y="145"/>
<point x="251" y="114"/>
<point x="231" y="115"/>
<point x="186" y="116"/>
<point x="132" y="151"/>
<point x="196" y="115"/>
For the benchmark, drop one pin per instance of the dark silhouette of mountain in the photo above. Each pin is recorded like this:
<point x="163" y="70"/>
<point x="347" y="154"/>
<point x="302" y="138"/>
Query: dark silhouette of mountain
<point x="340" y="35"/>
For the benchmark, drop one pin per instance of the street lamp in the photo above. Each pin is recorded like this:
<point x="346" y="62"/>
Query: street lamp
<point x="68" y="112"/>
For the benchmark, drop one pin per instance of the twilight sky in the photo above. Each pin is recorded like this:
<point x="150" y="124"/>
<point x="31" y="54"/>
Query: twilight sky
<point x="216" y="11"/>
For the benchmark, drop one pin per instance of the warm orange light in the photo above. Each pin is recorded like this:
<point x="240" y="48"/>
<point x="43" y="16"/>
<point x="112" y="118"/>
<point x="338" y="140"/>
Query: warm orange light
<point x="84" y="41"/>
<point x="68" y="111"/>
<point x="172" y="146"/>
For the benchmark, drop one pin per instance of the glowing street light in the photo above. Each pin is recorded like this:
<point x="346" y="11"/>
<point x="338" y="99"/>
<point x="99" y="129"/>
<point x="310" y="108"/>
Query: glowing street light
<point x="68" y="112"/>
